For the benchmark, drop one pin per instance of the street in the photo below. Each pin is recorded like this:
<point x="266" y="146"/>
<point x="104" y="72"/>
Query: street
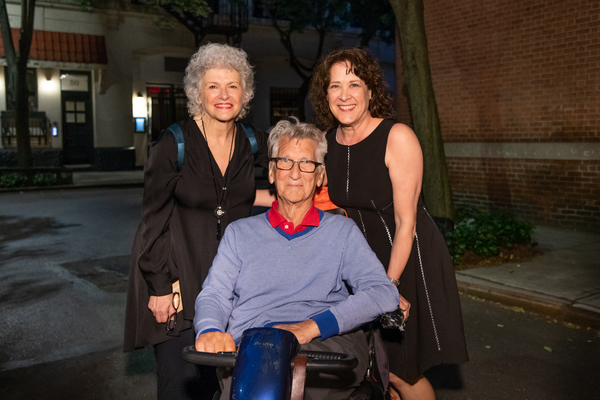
<point x="64" y="259"/>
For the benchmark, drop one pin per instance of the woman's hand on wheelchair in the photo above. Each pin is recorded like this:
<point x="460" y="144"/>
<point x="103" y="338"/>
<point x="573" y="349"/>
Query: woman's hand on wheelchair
<point x="214" y="342"/>
<point x="304" y="331"/>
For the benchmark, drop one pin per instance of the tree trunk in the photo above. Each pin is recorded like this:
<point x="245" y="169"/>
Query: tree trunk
<point x="16" y="62"/>
<point x="22" y="116"/>
<point x="417" y="78"/>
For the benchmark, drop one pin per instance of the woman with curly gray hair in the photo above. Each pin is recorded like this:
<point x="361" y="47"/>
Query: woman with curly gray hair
<point x="187" y="205"/>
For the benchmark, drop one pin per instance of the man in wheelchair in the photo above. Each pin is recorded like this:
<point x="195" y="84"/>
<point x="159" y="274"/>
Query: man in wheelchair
<point x="295" y="268"/>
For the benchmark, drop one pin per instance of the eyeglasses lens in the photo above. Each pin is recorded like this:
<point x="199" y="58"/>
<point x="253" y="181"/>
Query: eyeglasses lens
<point x="172" y="321"/>
<point x="287" y="164"/>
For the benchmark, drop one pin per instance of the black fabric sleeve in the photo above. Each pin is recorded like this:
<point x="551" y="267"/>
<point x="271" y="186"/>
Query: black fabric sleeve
<point x="160" y="180"/>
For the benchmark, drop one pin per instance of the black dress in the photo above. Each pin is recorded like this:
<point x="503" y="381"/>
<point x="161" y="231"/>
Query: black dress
<point x="178" y="239"/>
<point x="359" y="182"/>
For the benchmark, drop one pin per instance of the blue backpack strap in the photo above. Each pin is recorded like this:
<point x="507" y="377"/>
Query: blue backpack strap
<point x="250" y="135"/>
<point x="178" y="133"/>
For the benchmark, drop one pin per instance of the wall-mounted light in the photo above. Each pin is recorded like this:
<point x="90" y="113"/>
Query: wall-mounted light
<point x="48" y="85"/>
<point x="139" y="106"/>
<point x="55" y="129"/>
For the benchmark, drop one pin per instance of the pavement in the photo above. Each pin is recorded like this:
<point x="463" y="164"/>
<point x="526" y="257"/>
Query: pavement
<point x="563" y="282"/>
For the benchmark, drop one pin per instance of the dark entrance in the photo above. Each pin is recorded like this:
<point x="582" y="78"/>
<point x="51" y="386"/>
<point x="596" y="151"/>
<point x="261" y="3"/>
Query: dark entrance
<point x="169" y="105"/>
<point x="78" y="135"/>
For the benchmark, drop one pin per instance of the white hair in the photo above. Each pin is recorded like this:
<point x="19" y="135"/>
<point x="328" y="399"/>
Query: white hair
<point x="216" y="55"/>
<point x="297" y="130"/>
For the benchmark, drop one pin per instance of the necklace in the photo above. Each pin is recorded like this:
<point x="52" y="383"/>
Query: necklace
<point x="219" y="211"/>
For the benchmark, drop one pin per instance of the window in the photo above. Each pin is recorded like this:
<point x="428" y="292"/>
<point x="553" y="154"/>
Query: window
<point x="31" y="88"/>
<point x="176" y="64"/>
<point x="284" y="102"/>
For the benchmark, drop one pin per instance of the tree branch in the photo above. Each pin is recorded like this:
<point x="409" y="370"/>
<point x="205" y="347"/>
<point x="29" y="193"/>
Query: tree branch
<point x="286" y="41"/>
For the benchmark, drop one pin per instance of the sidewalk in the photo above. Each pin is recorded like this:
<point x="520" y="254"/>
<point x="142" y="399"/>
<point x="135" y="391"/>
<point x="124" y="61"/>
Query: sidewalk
<point x="111" y="178"/>
<point x="563" y="282"/>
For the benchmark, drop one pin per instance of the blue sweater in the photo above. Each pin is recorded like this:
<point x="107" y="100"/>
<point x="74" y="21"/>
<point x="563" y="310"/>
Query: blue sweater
<point x="262" y="277"/>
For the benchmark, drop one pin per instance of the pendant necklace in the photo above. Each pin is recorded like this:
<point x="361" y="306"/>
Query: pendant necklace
<point x="219" y="211"/>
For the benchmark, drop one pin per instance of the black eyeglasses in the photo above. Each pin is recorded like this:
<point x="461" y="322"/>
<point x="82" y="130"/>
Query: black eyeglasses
<point x="286" y="164"/>
<point x="172" y="321"/>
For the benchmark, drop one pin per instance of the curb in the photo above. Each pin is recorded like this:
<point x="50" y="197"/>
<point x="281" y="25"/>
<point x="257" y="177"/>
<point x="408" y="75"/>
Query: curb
<point x="557" y="308"/>
<point x="74" y="186"/>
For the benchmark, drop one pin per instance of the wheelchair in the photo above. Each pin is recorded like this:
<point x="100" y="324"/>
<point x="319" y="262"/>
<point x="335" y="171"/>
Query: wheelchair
<point x="270" y="365"/>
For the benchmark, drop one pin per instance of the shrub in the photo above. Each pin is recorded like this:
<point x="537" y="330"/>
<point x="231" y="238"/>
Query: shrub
<point x="13" y="179"/>
<point x="486" y="234"/>
<point x="44" y="178"/>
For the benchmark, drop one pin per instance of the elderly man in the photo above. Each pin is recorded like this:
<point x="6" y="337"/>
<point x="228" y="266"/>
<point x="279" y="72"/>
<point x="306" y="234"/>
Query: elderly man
<point x="291" y="268"/>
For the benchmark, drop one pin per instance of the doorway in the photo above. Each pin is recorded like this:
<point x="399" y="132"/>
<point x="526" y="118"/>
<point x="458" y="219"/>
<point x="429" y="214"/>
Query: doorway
<point x="77" y="118"/>
<point x="169" y="105"/>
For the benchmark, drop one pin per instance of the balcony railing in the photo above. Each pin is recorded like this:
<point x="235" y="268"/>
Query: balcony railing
<point x="229" y="18"/>
<point x="39" y="134"/>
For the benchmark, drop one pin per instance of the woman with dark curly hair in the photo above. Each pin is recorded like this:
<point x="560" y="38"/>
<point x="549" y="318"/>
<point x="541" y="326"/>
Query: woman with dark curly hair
<point x="374" y="168"/>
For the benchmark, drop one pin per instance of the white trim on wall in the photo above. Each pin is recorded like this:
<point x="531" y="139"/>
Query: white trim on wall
<point x="547" y="151"/>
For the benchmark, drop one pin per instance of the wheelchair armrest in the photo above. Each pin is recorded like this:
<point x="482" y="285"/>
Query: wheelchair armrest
<point x="317" y="361"/>
<point x="221" y="359"/>
<point x="321" y="361"/>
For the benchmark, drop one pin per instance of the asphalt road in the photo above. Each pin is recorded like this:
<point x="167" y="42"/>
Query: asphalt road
<point x="63" y="268"/>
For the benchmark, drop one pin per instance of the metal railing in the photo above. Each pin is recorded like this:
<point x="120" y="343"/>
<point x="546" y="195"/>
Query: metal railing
<point x="39" y="133"/>
<point x="228" y="17"/>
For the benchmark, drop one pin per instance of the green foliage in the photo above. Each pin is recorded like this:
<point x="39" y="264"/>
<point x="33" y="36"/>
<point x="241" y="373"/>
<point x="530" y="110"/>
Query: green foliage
<point x="13" y="179"/>
<point x="197" y="8"/>
<point x="86" y="5"/>
<point x="486" y="234"/>
<point x="44" y="179"/>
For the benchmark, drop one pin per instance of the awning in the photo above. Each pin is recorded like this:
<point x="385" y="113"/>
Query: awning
<point x="63" y="47"/>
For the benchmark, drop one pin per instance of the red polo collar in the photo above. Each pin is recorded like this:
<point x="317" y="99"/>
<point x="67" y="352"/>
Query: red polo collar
<point x="277" y="220"/>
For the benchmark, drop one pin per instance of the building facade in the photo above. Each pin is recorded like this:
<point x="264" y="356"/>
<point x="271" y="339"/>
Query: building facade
<point x="518" y="93"/>
<point x="94" y="73"/>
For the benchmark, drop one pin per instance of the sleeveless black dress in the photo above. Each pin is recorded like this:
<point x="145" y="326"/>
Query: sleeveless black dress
<point x="359" y="182"/>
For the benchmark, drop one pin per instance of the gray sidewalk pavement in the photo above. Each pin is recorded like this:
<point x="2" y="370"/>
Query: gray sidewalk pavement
<point x="112" y="178"/>
<point x="562" y="282"/>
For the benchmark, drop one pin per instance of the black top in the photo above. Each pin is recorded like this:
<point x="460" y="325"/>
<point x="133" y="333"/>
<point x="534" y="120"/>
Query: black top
<point x="359" y="182"/>
<point x="178" y="238"/>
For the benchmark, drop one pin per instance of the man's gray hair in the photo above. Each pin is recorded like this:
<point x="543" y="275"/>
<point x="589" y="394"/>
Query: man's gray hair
<point x="297" y="130"/>
<point x="216" y="55"/>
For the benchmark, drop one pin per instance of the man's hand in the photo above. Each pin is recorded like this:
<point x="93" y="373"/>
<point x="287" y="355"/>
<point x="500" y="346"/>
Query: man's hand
<point x="161" y="307"/>
<point x="213" y="342"/>
<point x="404" y="306"/>
<point x="304" y="331"/>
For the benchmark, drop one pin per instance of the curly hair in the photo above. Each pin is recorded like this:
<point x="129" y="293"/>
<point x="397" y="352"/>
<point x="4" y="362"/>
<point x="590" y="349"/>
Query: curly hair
<point x="216" y="55"/>
<point x="364" y="66"/>
<point x="297" y="130"/>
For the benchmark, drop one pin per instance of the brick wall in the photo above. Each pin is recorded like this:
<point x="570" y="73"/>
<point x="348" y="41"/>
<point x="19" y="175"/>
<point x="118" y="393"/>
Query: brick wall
<point x="520" y="72"/>
<point x="516" y="70"/>
<point x="562" y="192"/>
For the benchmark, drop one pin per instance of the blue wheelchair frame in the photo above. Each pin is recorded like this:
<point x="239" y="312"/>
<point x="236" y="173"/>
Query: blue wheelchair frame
<point x="264" y="362"/>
